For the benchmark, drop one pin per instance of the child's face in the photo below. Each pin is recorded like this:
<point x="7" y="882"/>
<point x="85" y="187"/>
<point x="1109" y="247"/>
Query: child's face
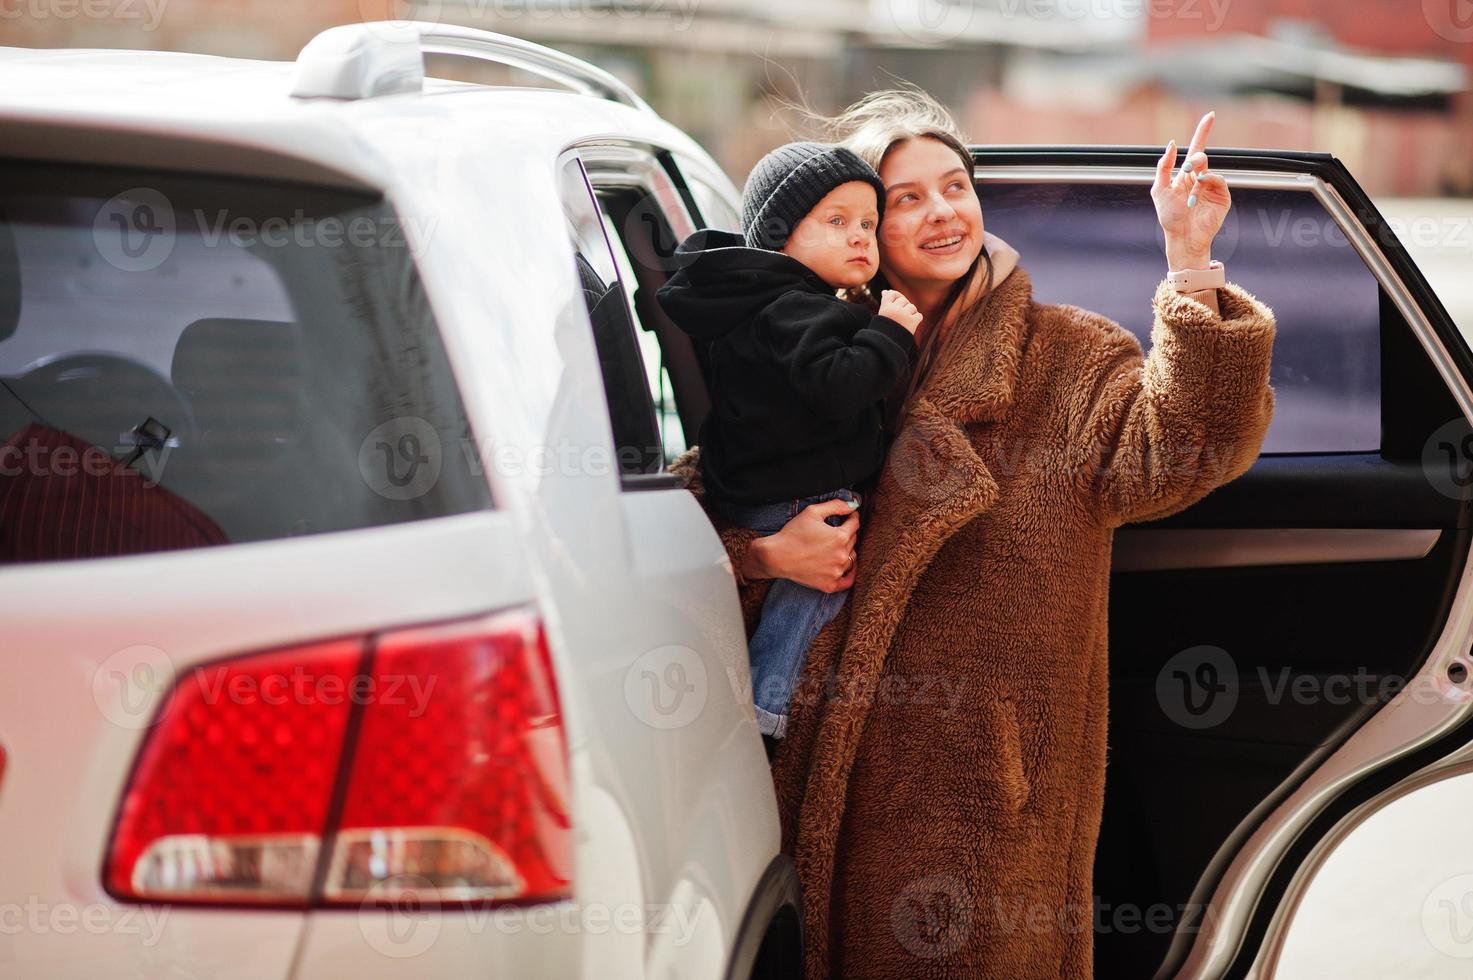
<point x="837" y="238"/>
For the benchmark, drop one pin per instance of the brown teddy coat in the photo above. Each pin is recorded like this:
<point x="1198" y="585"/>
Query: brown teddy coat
<point x="942" y="782"/>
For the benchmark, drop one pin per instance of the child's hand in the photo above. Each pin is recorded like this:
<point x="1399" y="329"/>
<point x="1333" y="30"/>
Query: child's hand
<point x="901" y="310"/>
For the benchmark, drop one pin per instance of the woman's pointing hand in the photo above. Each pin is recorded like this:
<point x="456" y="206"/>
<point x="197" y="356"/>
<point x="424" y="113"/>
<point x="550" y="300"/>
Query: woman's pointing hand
<point x="1191" y="203"/>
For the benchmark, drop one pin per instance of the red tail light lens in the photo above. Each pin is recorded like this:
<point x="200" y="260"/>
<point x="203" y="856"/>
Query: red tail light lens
<point x="230" y="796"/>
<point x="453" y="775"/>
<point x="459" y="784"/>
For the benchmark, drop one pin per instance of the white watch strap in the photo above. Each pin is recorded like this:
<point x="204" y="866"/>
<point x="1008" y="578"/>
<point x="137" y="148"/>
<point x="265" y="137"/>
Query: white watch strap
<point x="1195" y="280"/>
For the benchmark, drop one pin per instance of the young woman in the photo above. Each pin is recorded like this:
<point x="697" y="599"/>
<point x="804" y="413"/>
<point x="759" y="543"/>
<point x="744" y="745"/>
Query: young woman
<point x="942" y="781"/>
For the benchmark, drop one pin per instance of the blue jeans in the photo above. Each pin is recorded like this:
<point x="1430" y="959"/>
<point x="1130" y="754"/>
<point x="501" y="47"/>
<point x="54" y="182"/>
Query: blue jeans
<point x="792" y="614"/>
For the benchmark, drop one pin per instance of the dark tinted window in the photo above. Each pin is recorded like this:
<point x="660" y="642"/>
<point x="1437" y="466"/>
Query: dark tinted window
<point x="644" y="217"/>
<point x="189" y="361"/>
<point x="631" y="412"/>
<point x="1099" y="246"/>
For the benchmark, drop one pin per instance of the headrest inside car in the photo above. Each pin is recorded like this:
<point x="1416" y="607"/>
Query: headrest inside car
<point x="219" y="356"/>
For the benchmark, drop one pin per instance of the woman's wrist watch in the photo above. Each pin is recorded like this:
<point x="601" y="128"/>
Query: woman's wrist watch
<point x="1197" y="280"/>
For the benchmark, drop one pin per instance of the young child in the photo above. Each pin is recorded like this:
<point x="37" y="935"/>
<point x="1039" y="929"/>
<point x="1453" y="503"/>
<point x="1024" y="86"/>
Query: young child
<point x="798" y="375"/>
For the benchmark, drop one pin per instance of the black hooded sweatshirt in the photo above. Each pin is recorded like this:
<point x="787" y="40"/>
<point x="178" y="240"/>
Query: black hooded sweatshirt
<point x="798" y="376"/>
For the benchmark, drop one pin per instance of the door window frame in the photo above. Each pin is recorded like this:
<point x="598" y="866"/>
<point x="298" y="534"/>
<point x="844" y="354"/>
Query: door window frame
<point x="657" y="479"/>
<point x="621" y="166"/>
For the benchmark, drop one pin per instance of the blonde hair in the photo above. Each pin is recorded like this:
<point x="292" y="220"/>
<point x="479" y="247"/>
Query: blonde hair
<point x="880" y="120"/>
<point x="872" y="127"/>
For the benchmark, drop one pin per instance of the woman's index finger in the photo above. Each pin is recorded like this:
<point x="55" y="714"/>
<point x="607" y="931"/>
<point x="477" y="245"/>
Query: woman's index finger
<point x="1199" y="138"/>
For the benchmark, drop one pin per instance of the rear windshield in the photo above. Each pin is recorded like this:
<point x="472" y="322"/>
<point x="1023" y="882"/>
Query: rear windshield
<point x="194" y="361"/>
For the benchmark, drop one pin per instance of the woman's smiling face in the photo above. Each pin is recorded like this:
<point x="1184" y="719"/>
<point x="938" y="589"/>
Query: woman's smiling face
<point x="932" y="230"/>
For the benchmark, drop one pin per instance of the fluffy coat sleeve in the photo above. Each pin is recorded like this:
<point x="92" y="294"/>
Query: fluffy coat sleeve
<point x="837" y="376"/>
<point x="1161" y="432"/>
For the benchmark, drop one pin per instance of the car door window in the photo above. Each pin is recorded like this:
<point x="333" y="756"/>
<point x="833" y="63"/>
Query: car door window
<point x="645" y="219"/>
<point x="657" y="375"/>
<point x="1097" y="245"/>
<point x="602" y="274"/>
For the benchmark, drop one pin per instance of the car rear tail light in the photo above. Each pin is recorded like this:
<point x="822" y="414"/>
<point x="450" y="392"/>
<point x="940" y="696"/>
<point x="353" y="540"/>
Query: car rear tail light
<point x="467" y="792"/>
<point x="231" y="792"/>
<point x="428" y="761"/>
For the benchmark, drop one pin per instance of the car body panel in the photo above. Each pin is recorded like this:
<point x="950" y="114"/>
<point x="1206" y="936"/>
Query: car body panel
<point x="675" y="822"/>
<point x="98" y="644"/>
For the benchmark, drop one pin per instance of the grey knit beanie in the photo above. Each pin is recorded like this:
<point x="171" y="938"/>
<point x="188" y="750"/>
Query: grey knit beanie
<point x="787" y="183"/>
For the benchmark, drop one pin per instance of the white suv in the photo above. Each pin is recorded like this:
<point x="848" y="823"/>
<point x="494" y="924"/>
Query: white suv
<point x="354" y="627"/>
<point x="351" y="644"/>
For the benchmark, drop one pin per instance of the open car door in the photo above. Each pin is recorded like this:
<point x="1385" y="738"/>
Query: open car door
<point x="1291" y="653"/>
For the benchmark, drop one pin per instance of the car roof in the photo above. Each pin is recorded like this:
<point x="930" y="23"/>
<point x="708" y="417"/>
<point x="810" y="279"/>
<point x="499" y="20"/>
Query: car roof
<point x="246" y="106"/>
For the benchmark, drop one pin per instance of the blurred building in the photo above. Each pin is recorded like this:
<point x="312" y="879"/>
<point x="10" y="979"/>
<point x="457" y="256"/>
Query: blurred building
<point x="1382" y="83"/>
